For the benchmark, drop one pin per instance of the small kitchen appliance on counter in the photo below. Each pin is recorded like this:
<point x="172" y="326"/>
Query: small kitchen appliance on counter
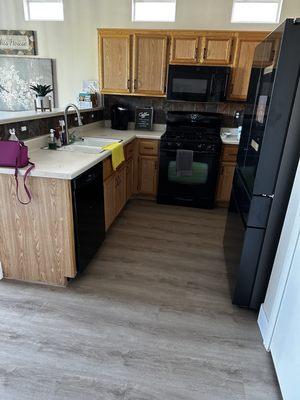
<point x="119" y="117"/>
<point x="195" y="183"/>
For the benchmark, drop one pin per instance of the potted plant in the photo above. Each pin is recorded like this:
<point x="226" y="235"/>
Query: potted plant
<point x="42" y="100"/>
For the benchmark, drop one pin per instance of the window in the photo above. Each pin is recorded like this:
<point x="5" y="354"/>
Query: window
<point x="256" y="11"/>
<point x="43" y="10"/>
<point x="154" y="10"/>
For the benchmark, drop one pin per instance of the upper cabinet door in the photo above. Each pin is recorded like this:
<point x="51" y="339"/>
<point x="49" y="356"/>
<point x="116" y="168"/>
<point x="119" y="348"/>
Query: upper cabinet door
<point x="242" y="69"/>
<point x="184" y="49"/>
<point x="150" y="64"/>
<point x="114" y="63"/>
<point x="217" y="50"/>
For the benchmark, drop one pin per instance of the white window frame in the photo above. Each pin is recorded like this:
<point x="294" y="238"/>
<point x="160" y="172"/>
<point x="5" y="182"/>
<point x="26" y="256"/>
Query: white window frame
<point x="152" y="1"/>
<point x="279" y="2"/>
<point x="27" y="10"/>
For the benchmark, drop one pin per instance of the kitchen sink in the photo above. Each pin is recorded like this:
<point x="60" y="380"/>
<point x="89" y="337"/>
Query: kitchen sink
<point x="95" y="141"/>
<point x="90" y="145"/>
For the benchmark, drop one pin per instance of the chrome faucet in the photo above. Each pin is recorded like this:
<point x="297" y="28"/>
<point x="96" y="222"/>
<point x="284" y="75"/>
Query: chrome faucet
<point x="68" y="106"/>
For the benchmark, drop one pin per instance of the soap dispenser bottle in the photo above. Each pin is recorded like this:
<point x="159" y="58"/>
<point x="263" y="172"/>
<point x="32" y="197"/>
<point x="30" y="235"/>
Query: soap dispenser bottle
<point x="63" y="132"/>
<point x="52" y="142"/>
<point x="13" y="135"/>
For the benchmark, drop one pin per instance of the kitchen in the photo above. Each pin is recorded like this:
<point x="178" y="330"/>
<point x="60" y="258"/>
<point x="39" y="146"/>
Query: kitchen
<point x="129" y="268"/>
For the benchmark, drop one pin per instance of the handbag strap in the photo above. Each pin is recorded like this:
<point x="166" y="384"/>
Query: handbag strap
<point x="24" y="183"/>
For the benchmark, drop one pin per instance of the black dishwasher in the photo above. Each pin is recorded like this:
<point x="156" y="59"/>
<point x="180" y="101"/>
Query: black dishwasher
<point x="88" y="211"/>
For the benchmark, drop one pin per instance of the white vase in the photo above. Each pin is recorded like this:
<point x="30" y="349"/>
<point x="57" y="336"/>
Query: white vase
<point x="43" y="102"/>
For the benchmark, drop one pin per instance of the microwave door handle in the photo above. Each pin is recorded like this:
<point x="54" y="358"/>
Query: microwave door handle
<point x="211" y="85"/>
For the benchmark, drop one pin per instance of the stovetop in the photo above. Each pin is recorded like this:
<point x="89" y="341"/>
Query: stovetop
<point x="189" y="135"/>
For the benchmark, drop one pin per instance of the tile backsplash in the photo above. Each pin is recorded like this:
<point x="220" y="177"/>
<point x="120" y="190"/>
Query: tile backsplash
<point x="161" y="106"/>
<point x="42" y="126"/>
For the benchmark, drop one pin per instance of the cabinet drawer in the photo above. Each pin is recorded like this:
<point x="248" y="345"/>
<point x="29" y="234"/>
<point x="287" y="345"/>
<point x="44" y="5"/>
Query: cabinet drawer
<point x="149" y="147"/>
<point x="129" y="151"/>
<point x="229" y="153"/>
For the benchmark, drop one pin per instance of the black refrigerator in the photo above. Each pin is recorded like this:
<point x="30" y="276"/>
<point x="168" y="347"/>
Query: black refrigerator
<point x="267" y="160"/>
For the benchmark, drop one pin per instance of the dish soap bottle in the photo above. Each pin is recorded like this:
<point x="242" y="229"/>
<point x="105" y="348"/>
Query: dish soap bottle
<point x="13" y="135"/>
<point x="63" y="132"/>
<point x="52" y="142"/>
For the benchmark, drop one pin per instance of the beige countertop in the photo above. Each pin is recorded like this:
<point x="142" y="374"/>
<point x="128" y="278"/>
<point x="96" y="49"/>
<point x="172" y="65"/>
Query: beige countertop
<point x="68" y="165"/>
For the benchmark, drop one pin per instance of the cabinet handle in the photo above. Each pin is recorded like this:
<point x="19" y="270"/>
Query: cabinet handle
<point x="196" y="53"/>
<point x="204" y="53"/>
<point x="128" y="84"/>
<point x="148" y="148"/>
<point x="222" y="171"/>
<point x="135" y="84"/>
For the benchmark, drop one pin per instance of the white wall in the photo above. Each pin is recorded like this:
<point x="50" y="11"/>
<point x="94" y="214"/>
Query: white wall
<point x="73" y="43"/>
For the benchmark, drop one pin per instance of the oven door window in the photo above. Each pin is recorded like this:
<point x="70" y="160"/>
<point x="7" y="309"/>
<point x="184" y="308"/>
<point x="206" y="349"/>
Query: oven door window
<point x="199" y="174"/>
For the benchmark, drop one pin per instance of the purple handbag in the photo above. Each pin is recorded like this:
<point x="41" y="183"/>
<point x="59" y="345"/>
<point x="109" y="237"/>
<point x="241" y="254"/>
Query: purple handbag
<point x="14" y="154"/>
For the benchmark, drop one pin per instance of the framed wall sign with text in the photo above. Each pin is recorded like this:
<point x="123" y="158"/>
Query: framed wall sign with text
<point x="144" y="118"/>
<point x="21" y="43"/>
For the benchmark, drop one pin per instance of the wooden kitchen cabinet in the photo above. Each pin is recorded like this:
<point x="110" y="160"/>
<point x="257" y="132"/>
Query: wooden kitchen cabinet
<point x="226" y="173"/>
<point x="148" y="175"/>
<point x="118" y="185"/>
<point x="129" y="178"/>
<point x="134" y="62"/>
<point x="115" y="63"/>
<point x="225" y="182"/>
<point x="184" y="49"/>
<point x="109" y="201"/>
<point x="37" y="240"/>
<point x="120" y="189"/>
<point x="244" y="56"/>
<point x="148" y="167"/>
<point x="150" y="64"/>
<point x="115" y="195"/>
<point x="217" y="50"/>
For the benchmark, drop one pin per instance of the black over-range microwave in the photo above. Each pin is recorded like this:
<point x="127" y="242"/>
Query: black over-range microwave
<point x="197" y="83"/>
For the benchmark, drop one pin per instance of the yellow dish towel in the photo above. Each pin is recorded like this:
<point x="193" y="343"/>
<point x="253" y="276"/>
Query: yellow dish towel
<point x="117" y="154"/>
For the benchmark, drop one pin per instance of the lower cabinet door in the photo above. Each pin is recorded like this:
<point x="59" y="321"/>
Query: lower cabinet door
<point x="148" y="170"/>
<point x="129" y="179"/>
<point x="109" y="186"/>
<point x="121" y="189"/>
<point x="225" y="182"/>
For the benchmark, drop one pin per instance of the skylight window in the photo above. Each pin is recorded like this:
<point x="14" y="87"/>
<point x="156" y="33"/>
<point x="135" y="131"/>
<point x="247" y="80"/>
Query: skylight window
<point x="43" y="10"/>
<point x="256" y="11"/>
<point x="154" y="10"/>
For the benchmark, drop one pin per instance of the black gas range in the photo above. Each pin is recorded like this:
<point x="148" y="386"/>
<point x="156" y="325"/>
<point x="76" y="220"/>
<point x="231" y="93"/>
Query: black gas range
<point x="199" y="133"/>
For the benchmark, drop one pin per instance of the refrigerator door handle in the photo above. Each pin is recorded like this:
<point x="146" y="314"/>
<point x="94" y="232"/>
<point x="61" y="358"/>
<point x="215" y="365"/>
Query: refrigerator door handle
<point x="269" y="196"/>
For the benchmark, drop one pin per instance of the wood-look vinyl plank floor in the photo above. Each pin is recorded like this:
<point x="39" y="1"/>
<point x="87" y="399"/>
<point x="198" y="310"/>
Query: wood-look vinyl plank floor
<point x="150" y="319"/>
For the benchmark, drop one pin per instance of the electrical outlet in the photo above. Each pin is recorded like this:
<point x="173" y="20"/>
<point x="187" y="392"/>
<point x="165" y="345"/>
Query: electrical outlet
<point x="23" y="128"/>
